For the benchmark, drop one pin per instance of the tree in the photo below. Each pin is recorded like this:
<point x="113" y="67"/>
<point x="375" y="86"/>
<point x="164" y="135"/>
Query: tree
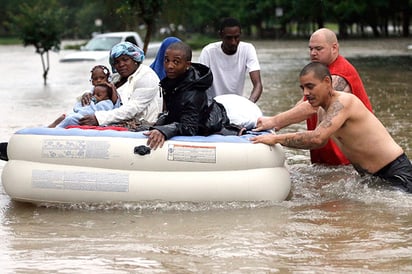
<point x="41" y="25"/>
<point x="148" y="11"/>
<point x="259" y="18"/>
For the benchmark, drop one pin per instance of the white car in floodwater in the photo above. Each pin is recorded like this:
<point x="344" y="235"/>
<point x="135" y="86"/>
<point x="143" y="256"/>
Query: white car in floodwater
<point x="99" y="46"/>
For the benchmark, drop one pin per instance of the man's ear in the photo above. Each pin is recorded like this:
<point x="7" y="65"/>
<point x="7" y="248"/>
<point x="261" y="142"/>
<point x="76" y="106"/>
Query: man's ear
<point x="335" y="47"/>
<point x="328" y="79"/>
<point x="188" y="64"/>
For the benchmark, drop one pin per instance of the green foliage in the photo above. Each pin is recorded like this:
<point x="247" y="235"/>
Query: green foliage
<point x="40" y="25"/>
<point x="147" y="11"/>
<point x="258" y="18"/>
<point x="207" y="14"/>
<point x="86" y="16"/>
<point x="197" y="42"/>
<point x="9" y="41"/>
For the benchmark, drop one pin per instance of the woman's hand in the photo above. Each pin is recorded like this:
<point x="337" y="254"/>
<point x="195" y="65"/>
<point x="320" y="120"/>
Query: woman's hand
<point x="88" y="120"/>
<point x="86" y="98"/>
<point x="155" y="138"/>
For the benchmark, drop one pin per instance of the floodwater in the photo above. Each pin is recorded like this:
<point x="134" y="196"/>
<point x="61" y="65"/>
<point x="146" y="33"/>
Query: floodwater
<point x="334" y="221"/>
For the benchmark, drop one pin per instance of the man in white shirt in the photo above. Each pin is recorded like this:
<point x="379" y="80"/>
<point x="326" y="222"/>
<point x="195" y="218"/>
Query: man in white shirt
<point x="230" y="60"/>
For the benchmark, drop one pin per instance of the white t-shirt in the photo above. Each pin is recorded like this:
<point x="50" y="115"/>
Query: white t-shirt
<point x="229" y="71"/>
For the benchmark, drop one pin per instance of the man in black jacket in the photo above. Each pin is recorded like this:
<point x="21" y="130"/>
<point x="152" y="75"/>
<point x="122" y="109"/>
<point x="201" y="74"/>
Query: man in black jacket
<point x="184" y="92"/>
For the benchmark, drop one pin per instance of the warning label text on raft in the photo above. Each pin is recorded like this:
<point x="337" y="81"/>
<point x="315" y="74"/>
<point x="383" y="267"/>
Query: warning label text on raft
<point x="189" y="153"/>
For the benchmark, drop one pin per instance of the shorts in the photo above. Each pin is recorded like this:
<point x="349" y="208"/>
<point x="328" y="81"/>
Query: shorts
<point x="398" y="172"/>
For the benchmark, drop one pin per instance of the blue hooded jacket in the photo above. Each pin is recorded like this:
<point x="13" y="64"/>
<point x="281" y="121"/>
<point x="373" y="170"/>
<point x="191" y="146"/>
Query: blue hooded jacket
<point x="158" y="62"/>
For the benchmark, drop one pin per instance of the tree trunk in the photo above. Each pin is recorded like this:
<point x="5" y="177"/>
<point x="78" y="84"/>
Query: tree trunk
<point x="46" y="65"/>
<point x="405" y="20"/>
<point x="148" y="35"/>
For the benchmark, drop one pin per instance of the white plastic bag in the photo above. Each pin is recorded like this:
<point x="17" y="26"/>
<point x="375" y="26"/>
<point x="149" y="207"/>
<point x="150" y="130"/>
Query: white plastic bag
<point x="240" y="110"/>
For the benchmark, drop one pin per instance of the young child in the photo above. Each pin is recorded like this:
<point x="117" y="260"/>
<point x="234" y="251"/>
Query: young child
<point x="103" y="96"/>
<point x="101" y="100"/>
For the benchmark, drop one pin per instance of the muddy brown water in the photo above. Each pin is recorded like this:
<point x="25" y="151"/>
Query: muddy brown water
<point x="333" y="223"/>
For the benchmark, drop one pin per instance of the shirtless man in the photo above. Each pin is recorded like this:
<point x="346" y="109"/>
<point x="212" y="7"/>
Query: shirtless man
<point x="324" y="48"/>
<point x="343" y="117"/>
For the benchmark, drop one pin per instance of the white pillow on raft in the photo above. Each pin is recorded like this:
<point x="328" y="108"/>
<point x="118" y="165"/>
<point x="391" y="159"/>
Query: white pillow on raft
<point x="240" y="110"/>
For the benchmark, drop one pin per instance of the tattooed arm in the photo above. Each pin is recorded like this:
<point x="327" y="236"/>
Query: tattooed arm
<point x="303" y="140"/>
<point x="340" y="84"/>
<point x="334" y="118"/>
<point x="300" y="112"/>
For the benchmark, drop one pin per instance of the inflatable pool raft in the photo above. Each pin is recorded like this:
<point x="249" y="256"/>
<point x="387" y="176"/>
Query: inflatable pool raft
<point x="51" y="165"/>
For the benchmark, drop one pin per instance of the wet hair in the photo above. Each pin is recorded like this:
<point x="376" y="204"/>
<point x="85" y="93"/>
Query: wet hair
<point x="108" y="89"/>
<point x="320" y="70"/>
<point x="229" y="22"/>
<point x="185" y="48"/>
<point x="105" y="70"/>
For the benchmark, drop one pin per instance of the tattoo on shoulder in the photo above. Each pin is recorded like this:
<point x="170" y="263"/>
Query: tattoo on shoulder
<point x="332" y="112"/>
<point x="340" y="84"/>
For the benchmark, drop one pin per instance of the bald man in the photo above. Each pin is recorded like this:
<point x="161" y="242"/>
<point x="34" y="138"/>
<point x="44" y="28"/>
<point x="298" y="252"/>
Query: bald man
<point x="323" y="48"/>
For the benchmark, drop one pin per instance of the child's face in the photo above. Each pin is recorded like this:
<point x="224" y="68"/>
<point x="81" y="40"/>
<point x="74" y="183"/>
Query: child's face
<point x="98" y="77"/>
<point x="100" y="93"/>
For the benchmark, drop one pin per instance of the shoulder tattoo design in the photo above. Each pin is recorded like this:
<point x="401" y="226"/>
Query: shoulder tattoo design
<point x="332" y="112"/>
<point x="340" y="84"/>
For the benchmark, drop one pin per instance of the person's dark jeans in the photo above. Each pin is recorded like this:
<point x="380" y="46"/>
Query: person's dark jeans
<point x="3" y="152"/>
<point x="398" y="172"/>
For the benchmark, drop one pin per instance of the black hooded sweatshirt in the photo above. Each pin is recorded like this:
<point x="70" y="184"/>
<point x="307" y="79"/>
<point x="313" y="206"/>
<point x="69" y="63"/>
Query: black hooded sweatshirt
<point x="187" y="112"/>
